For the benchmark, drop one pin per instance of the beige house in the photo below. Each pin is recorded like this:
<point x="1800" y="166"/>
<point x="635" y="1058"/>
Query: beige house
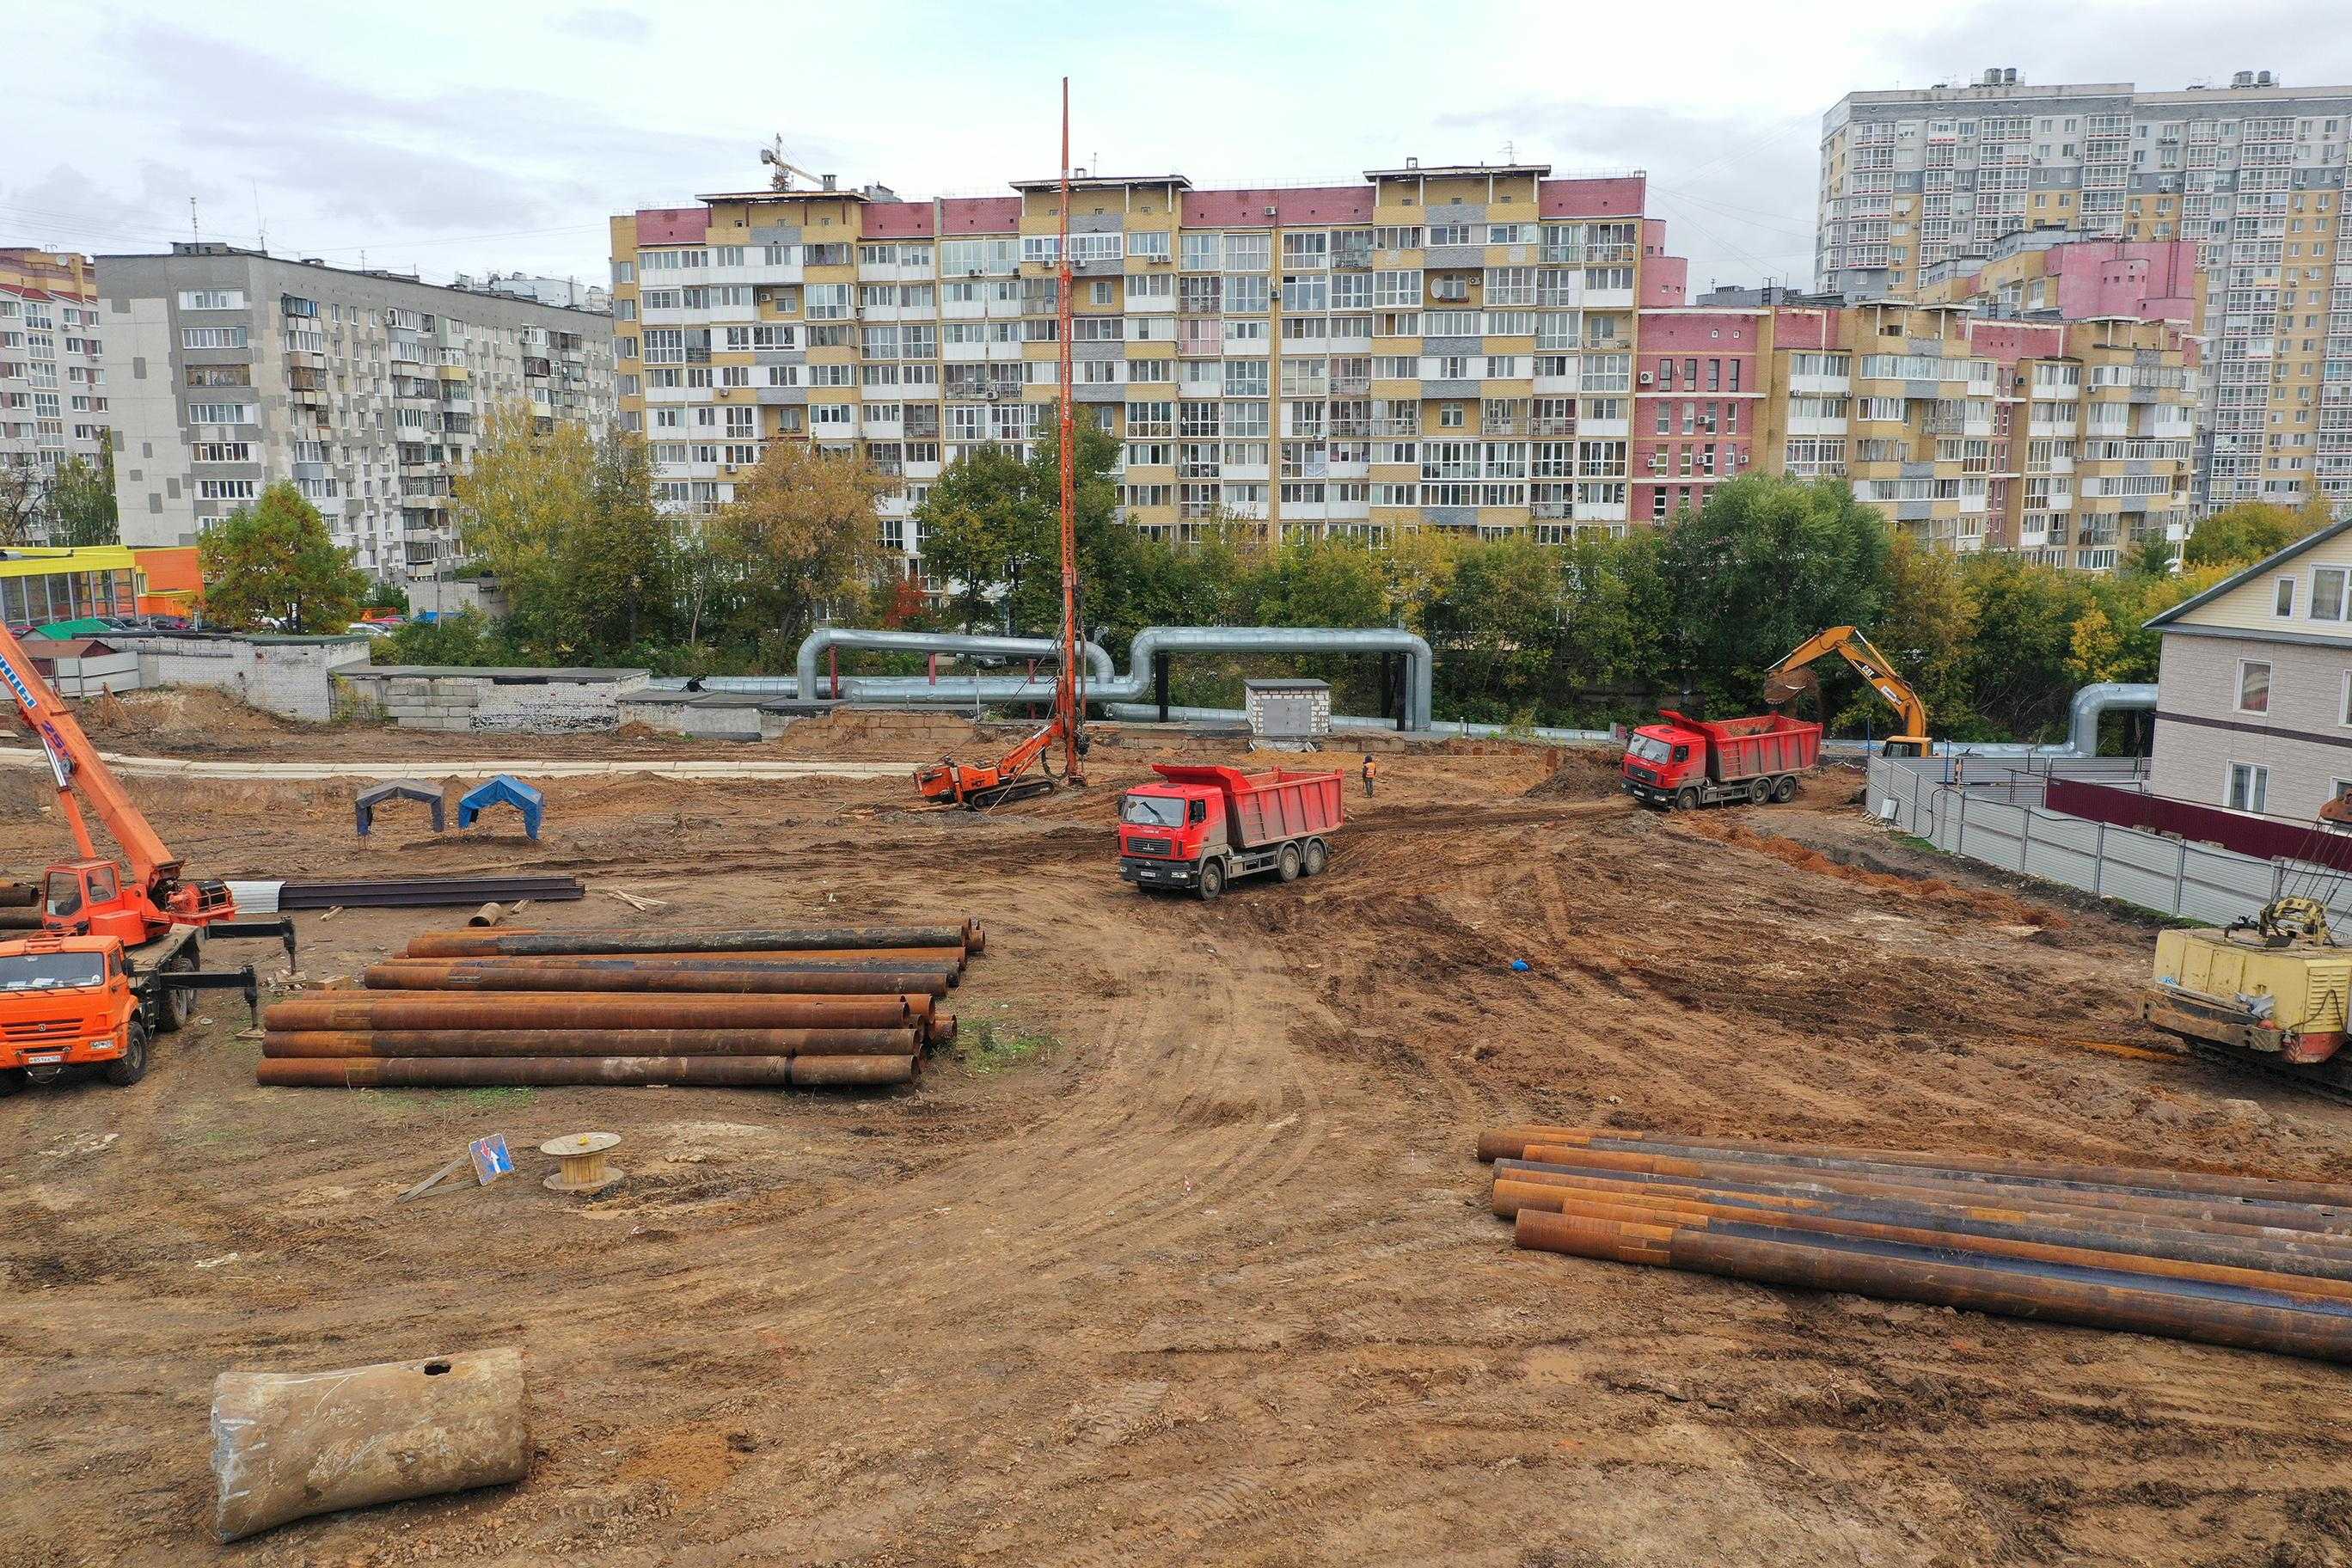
<point x="2254" y="692"/>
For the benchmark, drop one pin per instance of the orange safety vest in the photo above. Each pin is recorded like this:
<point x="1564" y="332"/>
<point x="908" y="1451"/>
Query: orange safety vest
<point x="1369" y="767"/>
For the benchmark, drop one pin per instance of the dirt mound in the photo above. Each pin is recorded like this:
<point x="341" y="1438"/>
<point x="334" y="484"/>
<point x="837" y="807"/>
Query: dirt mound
<point x="180" y="717"/>
<point x="869" y="733"/>
<point x="1581" y="772"/>
<point x="1998" y="906"/>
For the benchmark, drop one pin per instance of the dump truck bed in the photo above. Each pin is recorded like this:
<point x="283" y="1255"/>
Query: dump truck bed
<point x="1267" y="808"/>
<point x="1750" y="748"/>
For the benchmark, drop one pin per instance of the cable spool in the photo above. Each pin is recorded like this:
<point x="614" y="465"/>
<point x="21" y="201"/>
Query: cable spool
<point x="582" y="1168"/>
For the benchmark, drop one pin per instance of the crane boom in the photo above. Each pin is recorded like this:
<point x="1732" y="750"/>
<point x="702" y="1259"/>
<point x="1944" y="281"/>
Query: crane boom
<point x="1792" y="676"/>
<point x="80" y="772"/>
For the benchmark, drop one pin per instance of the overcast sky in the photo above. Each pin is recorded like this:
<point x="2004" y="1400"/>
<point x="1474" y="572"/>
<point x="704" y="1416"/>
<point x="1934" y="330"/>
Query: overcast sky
<point x="466" y="137"/>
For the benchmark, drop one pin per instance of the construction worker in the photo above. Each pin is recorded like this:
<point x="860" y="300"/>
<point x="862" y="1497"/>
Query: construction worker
<point x="1371" y="770"/>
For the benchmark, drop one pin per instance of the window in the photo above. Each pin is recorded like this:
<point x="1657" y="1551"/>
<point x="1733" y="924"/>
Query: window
<point x="2284" y="601"/>
<point x="211" y="337"/>
<point x="2328" y="594"/>
<point x="2250" y="786"/>
<point x="220" y="414"/>
<point x="2254" y="686"/>
<point x="1150" y="243"/>
<point x="212" y="299"/>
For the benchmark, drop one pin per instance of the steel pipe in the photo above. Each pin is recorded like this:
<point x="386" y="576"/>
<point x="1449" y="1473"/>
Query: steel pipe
<point x="2084" y="1248"/>
<point x="594" y="943"/>
<point x="1101" y="671"/>
<point x="587" y="1010"/>
<point x="1509" y="1142"/>
<point x="2325" y="1254"/>
<point x="828" y="1072"/>
<point x="469" y="1072"/>
<point x="2288" y="1212"/>
<point x="704" y="963"/>
<point x="2102" y="1298"/>
<point x="398" y="976"/>
<point x="591" y="1042"/>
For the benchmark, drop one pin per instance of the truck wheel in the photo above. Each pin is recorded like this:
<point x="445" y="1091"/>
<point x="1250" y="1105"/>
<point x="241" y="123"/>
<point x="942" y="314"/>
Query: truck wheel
<point x="1317" y="858"/>
<point x="131" y="1064"/>
<point x="1212" y="881"/>
<point x="1785" y="789"/>
<point x="174" y="1007"/>
<point x="1760" y="792"/>
<point x="1287" y="865"/>
<point x="1687" y="800"/>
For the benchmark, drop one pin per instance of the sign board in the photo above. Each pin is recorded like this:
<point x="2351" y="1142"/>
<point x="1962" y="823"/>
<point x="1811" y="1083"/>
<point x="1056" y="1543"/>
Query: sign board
<point x="491" y="1158"/>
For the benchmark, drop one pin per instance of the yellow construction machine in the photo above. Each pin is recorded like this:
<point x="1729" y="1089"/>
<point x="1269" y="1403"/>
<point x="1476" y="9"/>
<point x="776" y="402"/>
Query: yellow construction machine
<point x="1793" y="677"/>
<point x="2273" y="988"/>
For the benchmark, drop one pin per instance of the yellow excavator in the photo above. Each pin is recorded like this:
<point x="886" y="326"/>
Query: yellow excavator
<point x="1793" y="677"/>
<point x="2275" y="989"/>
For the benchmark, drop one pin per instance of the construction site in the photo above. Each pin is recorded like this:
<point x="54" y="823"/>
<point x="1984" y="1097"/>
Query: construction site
<point x="1185" y="1253"/>
<point x="1094" y="1134"/>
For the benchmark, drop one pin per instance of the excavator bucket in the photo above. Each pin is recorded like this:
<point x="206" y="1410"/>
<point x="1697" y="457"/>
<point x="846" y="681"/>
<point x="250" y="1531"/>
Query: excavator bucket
<point x="1783" y="687"/>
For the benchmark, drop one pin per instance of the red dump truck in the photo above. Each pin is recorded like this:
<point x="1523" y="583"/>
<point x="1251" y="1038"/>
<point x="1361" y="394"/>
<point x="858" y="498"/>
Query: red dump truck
<point x="1685" y="763"/>
<point x="1202" y="825"/>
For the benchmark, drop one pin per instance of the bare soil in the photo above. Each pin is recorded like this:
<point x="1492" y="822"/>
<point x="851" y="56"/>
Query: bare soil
<point x="1210" y="1278"/>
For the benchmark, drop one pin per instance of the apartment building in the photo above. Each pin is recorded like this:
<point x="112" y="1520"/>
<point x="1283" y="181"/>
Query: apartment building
<point x="53" y="393"/>
<point x="1434" y="347"/>
<point x="2253" y="173"/>
<point x="239" y="369"/>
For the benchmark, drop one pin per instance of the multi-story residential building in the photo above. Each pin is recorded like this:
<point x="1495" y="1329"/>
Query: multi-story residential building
<point x="2058" y="275"/>
<point x="1439" y="347"/>
<point x="546" y="290"/>
<point x="365" y="389"/>
<point x="53" y="393"/>
<point x="2066" y="441"/>
<point x="2253" y="173"/>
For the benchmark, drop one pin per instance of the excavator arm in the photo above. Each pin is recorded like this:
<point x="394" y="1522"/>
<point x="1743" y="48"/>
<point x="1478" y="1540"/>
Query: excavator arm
<point x="80" y="773"/>
<point x="1794" y="676"/>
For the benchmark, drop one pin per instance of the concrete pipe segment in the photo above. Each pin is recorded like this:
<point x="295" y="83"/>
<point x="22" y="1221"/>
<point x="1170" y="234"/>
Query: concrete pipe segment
<point x="289" y="1445"/>
<point x="587" y="1010"/>
<point x="594" y="1043"/>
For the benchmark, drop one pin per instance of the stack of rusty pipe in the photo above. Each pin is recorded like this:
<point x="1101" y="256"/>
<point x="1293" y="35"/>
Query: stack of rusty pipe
<point x="2224" y="1259"/>
<point x="799" y="1007"/>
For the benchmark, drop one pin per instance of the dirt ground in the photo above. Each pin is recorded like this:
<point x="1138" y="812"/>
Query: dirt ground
<point x="1207" y="1278"/>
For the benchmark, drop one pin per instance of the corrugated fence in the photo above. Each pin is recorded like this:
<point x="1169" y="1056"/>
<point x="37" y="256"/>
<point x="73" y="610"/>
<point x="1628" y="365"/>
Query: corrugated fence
<point x="1992" y="825"/>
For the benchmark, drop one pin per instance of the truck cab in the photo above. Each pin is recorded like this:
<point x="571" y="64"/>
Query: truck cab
<point x="1662" y="761"/>
<point x="1172" y="827"/>
<point x="67" y="1001"/>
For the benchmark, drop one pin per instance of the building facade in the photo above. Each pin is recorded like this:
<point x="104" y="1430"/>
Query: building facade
<point x="53" y="391"/>
<point x="1446" y="348"/>
<point x="2069" y="442"/>
<point x="365" y="389"/>
<point x="2254" y="173"/>
<point x="2254" y="687"/>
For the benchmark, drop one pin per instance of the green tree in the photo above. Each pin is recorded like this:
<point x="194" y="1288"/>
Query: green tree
<point x="82" y="502"/>
<point x="1928" y="629"/>
<point x="1766" y="563"/>
<point x="979" y="519"/>
<point x="274" y="559"/>
<point x="2250" y="531"/>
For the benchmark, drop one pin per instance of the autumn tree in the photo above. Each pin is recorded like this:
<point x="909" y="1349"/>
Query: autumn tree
<point x="567" y="523"/>
<point x="24" y="502"/>
<point x="802" y="536"/>
<point x="2252" y="529"/>
<point x="274" y="560"/>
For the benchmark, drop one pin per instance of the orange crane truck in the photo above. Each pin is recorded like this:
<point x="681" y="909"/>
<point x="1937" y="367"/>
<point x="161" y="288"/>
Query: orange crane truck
<point x="120" y="952"/>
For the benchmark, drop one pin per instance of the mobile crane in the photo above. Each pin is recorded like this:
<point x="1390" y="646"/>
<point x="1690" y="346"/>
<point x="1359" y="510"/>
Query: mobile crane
<point x="120" y="946"/>
<point x="1793" y="677"/>
<point x="976" y="787"/>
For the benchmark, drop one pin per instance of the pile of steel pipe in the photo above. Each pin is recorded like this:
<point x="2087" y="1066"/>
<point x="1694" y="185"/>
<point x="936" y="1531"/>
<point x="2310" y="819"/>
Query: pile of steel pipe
<point x="489" y="1005"/>
<point x="2225" y="1259"/>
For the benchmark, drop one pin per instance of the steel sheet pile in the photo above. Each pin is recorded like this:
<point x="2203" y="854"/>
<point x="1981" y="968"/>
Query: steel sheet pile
<point x="805" y="1008"/>
<point x="2230" y="1261"/>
